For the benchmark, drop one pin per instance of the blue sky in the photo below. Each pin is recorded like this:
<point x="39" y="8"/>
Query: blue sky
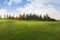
<point x="52" y="7"/>
<point x="4" y="4"/>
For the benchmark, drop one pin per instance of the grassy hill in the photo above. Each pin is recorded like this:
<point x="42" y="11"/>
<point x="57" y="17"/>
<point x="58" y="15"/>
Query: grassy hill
<point x="29" y="30"/>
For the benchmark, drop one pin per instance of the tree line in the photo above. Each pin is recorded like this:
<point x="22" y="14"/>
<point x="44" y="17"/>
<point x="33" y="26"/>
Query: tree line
<point x="30" y="17"/>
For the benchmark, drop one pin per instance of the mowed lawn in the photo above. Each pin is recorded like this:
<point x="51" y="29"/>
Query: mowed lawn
<point x="29" y="30"/>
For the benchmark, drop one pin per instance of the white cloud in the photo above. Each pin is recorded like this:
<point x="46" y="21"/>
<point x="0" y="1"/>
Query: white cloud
<point x="12" y="1"/>
<point x="38" y="7"/>
<point x="3" y="12"/>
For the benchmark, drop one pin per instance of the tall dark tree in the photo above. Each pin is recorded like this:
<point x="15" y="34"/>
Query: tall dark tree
<point x="46" y="17"/>
<point x="20" y="17"/>
<point x="27" y="17"/>
<point x="24" y="17"/>
<point x="30" y="16"/>
<point x="40" y="17"/>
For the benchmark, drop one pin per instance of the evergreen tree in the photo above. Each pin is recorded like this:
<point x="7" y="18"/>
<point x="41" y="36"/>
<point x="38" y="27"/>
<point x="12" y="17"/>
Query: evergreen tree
<point x="27" y="17"/>
<point x="46" y="17"/>
<point x="20" y="17"/>
<point x="40" y="17"/>
<point x="24" y="17"/>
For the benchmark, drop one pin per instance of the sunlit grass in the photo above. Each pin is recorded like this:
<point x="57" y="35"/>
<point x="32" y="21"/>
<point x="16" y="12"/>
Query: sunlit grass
<point x="29" y="30"/>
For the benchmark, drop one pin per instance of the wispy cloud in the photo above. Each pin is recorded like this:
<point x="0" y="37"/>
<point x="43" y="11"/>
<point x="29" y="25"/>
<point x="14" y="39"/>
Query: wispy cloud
<point x="10" y="2"/>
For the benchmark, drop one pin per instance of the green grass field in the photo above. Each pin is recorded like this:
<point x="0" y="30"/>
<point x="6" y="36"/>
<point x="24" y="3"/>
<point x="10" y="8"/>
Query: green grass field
<point x="29" y="30"/>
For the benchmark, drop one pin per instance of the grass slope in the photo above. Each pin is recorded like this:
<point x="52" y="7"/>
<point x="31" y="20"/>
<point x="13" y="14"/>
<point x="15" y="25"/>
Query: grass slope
<point x="29" y="30"/>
